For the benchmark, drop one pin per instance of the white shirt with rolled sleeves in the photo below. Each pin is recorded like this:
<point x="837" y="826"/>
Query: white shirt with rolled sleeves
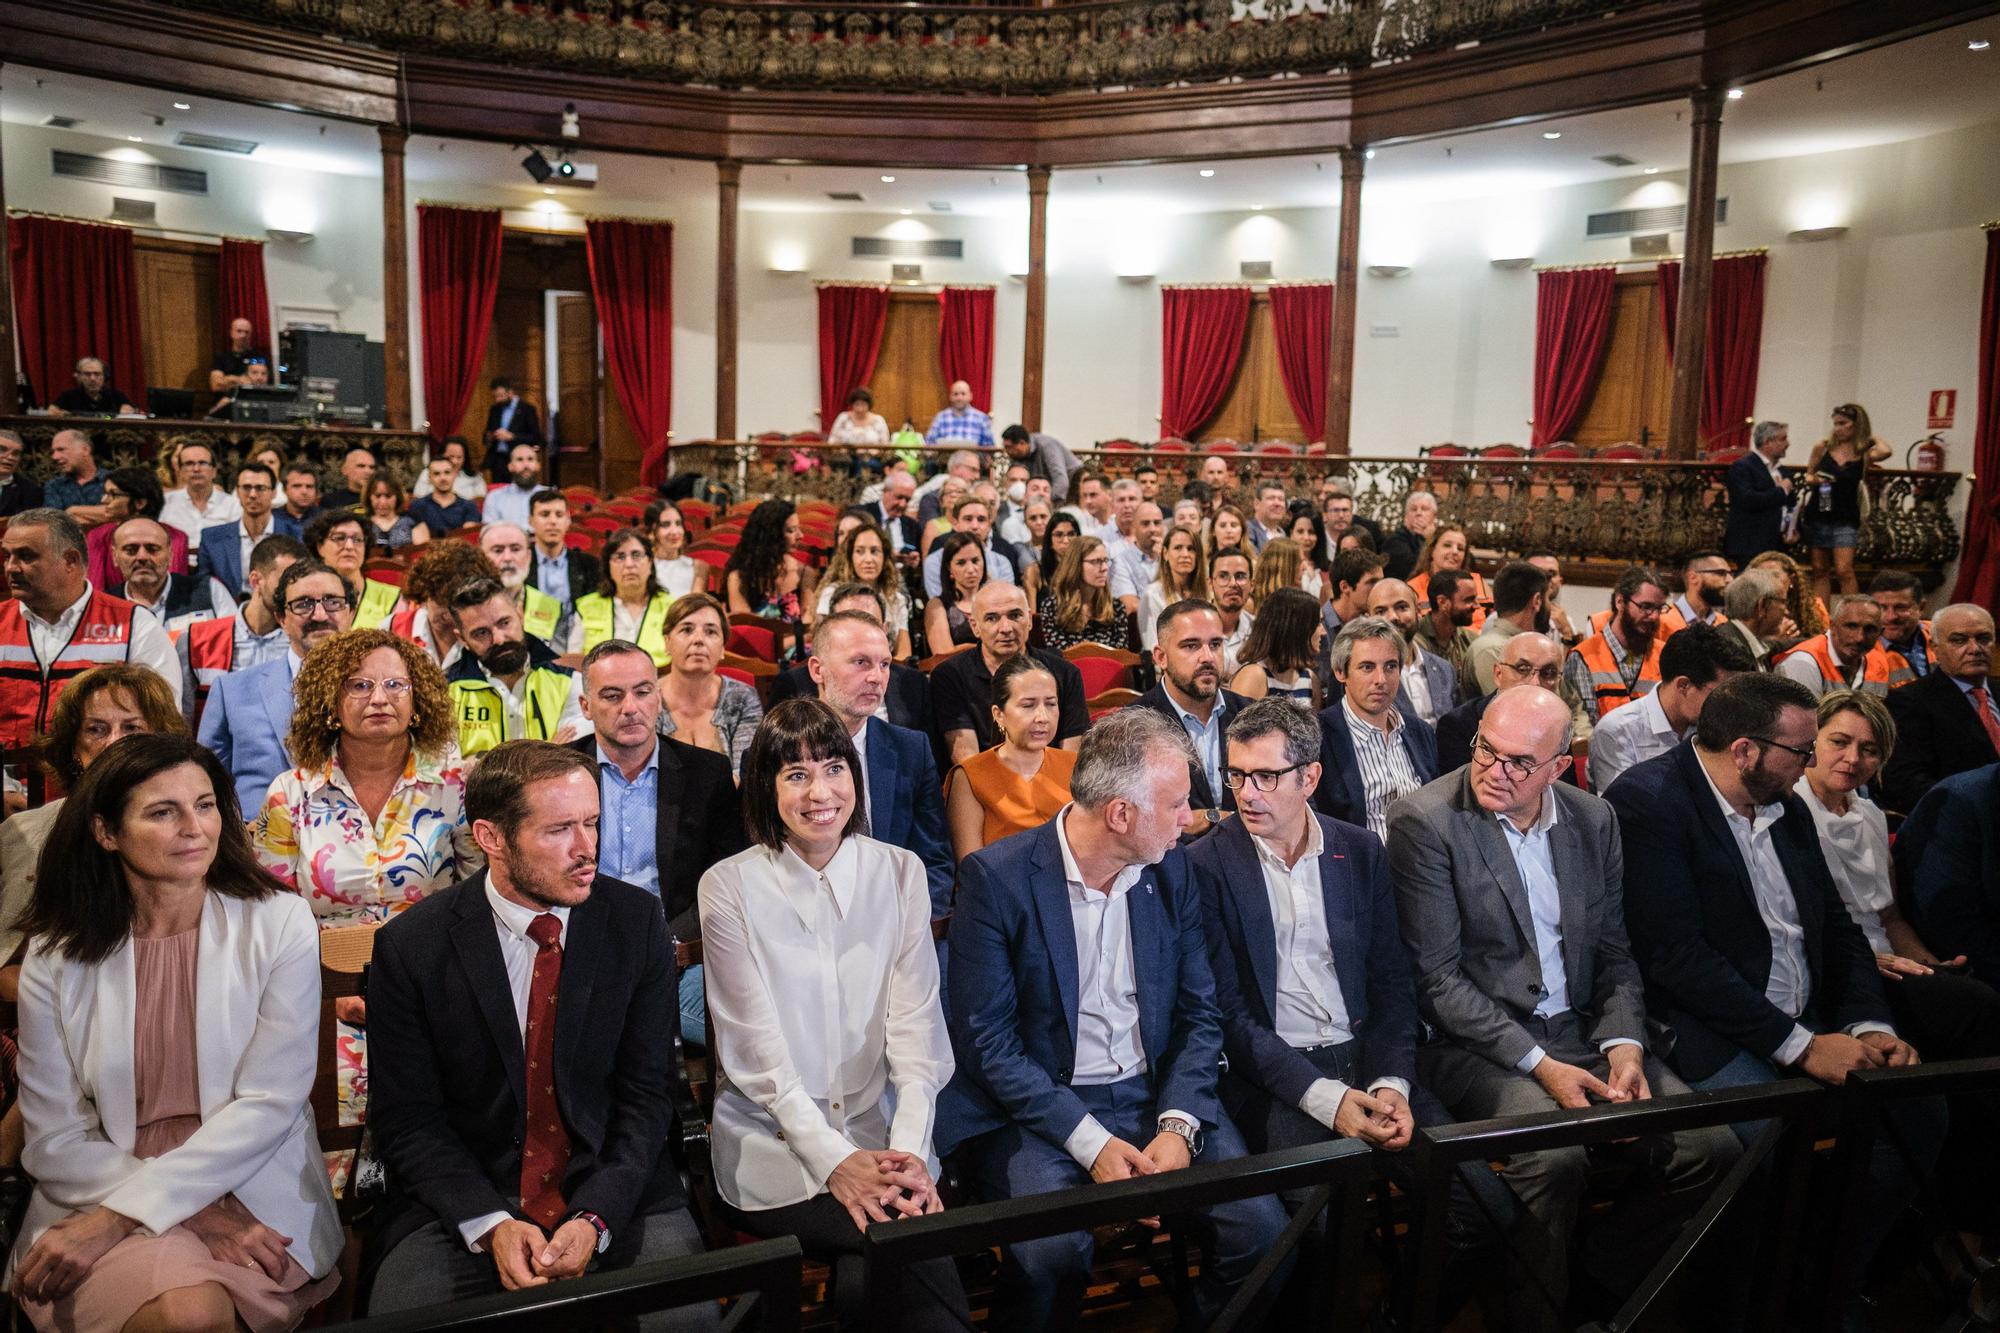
<point x="1629" y="735"/>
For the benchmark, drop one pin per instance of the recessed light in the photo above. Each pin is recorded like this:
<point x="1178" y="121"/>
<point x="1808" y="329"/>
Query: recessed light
<point x="1256" y="208"/>
<point x="1552" y="134"/>
<point x="1977" y="44"/>
<point x="1735" y="94"/>
<point x="1370" y="155"/>
<point x="1652" y="171"/>
<point x="547" y="190"/>
<point x="133" y="138"/>
<point x="906" y="211"/>
<point x="183" y="106"/>
<point x="888" y="180"/>
<point x="1206" y="172"/>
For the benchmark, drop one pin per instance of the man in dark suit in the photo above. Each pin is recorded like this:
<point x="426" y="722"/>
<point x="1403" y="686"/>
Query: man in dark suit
<point x="1401" y="548"/>
<point x="1189" y="693"/>
<point x="1083" y="1018"/>
<point x="1747" y="949"/>
<point x="1371" y="753"/>
<point x="892" y="514"/>
<point x="1507" y="888"/>
<point x="1948" y="868"/>
<point x="909" y="692"/>
<point x="1758" y="494"/>
<point x="510" y="421"/>
<point x="1319" y="1019"/>
<point x="522" y="1143"/>
<point x="1949" y="720"/>
<point x="1530" y="659"/>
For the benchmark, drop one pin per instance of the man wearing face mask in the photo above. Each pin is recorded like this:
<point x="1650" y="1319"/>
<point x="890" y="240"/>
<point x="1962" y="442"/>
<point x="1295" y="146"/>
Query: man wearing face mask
<point x="1047" y="457"/>
<point x="249" y="712"/>
<point x="506" y="685"/>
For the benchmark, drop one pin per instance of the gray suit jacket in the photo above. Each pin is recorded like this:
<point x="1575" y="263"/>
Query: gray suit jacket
<point x="1466" y="922"/>
<point x="1441" y="676"/>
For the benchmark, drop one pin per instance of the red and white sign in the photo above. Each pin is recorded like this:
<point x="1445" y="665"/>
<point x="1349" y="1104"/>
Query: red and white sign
<point x="1944" y="408"/>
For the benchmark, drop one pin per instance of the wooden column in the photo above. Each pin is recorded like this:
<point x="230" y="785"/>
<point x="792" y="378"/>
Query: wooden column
<point x="729" y="179"/>
<point x="1697" y="270"/>
<point x="1347" y="268"/>
<point x="395" y="281"/>
<point x="9" y="403"/>
<point x="1034" y="337"/>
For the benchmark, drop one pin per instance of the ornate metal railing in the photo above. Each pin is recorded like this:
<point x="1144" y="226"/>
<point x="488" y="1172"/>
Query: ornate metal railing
<point x="928" y="46"/>
<point x="1580" y="509"/>
<point x="129" y="441"/>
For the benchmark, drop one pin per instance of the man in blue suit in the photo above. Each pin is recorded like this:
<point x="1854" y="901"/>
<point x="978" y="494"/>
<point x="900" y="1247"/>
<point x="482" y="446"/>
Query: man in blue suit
<point x="1083" y="1018"/>
<point x="1371" y="752"/>
<point x="224" y="552"/>
<point x="1758" y="494"/>
<point x="250" y="712"/>
<point x="901" y="791"/>
<point x="1319" y="1015"/>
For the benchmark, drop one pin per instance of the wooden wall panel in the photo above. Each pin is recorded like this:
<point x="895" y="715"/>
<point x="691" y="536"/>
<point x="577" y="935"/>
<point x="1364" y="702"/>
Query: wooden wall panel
<point x="176" y="282"/>
<point x="909" y="376"/>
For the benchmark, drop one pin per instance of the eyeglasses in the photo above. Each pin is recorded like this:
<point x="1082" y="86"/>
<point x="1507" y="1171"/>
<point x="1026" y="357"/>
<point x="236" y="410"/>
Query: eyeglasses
<point x="1547" y="675"/>
<point x="360" y="687"/>
<point x="1097" y="562"/>
<point x="1649" y="608"/>
<point x="1228" y="578"/>
<point x="344" y="539"/>
<point x="303" y="607"/>
<point x="1516" y="766"/>
<point x="1263" y="779"/>
<point x="1805" y="753"/>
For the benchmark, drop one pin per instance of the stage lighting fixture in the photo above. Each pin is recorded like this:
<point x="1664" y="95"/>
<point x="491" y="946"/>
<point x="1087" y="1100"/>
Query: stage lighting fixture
<point x="537" y="166"/>
<point x="566" y="168"/>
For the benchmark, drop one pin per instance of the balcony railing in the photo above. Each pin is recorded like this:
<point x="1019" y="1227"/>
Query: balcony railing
<point x="1578" y="508"/>
<point x="129" y="441"/>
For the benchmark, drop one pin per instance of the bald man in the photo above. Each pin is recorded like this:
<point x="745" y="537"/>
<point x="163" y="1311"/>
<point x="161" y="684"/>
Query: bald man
<point x="142" y="550"/>
<point x="961" y="422"/>
<point x="962" y="685"/>
<point x="1430" y="684"/>
<point x="1948" y="721"/>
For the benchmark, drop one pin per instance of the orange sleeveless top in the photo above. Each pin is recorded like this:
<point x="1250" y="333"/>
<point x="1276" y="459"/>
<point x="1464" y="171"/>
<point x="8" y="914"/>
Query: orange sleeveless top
<point x="1012" y="803"/>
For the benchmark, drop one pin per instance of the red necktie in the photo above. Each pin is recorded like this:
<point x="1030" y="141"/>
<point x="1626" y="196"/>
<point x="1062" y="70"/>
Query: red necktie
<point x="545" y="1155"/>
<point x="1982" y="703"/>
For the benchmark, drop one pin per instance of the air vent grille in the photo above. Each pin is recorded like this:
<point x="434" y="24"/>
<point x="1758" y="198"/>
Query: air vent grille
<point x="62" y="122"/>
<point x="215" y="143"/>
<point x="940" y="206"/>
<point x="1616" y="160"/>
<point x="128" y="175"/>
<point x="886" y="247"/>
<point x="138" y="211"/>
<point x="906" y="272"/>
<point x="1257" y="270"/>
<point x="844" y="196"/>
<point x="1629" y="221"/>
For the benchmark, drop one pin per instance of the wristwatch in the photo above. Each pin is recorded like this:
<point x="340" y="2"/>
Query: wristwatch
<point x="1189" y="1133"/>
<point x="603" y="1231"/>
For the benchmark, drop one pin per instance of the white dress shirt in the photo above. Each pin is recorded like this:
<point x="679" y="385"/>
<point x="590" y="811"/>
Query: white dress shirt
<point x="1108" y="1049"/>
<point x="1789" y="986"/>
<point x="1310" y="1009"/>
<point x="508" y="504"/>
<point x="1387" y="771"/>
<point x="150" y="645"/>
<point x="1628" y="736"/>
<point x="823" y="989"/>
<point x="1857" y="852"/>
<point x="517" y="955"/>
<point x="179" y="511"/>
<point x="1417" y="687"/>
<point x="1232" y="643"/>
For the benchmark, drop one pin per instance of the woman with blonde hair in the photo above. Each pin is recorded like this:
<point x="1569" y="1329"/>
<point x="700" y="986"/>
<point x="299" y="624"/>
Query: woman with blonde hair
<point x="1183" y="574"/>
<point x="1835" y="487"/>
<point x="1277" y="566"/>
<point x="950" y="491"/>
<point x="1077" y="606"/>
<point x="1448" y="547"/>
<point x="863" y="557"/>
<point x="628" y="603"/>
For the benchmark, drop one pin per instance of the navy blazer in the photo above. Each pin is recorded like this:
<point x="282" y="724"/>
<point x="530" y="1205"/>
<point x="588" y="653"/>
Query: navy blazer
<point x="1341" y="793"/>
<point x="1014" y="981"/>
<point x="1948" y="867"/>
<point x="906" y="803"/>
<point x="1368" y="958"/>
<point x="1199" y="796"/>
<point x="1701" y="942"/>
<point x="1756" y="508"/>
<point x="219" y="555"/>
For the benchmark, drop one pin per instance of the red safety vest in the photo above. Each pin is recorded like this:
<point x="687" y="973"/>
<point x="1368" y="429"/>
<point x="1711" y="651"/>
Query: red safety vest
<point x="1881" y="670"/>
<point x="211" y="654"/>
<point x="1607" y="683"/>
<point x="103" y="634"/>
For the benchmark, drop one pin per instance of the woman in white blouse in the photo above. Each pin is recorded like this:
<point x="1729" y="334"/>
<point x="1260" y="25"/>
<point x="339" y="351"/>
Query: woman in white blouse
<point x="823" y="992"/>
<point x="860" y="423"/>
<point x="678" y="572"/>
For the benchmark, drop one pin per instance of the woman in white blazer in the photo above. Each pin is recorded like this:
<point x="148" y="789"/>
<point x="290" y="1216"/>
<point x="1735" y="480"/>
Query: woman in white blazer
<point x="178" y="1181"/>
<point x="823" y="991"/>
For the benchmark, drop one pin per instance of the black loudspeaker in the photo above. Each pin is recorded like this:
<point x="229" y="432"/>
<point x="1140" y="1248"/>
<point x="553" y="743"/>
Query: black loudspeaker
<point x="330" y="372"/>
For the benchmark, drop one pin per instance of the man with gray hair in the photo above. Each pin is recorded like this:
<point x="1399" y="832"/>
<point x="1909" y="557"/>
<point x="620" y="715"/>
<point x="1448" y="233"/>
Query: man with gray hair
<point x="1083" y="1019"/>
<point x="91" y="395"/>
<point x="17" y="493"/>
<point x="1758" y="494"/>
<point x="1753" y="607"/>
<point x="1371" y="752"/>
<point x="1401" y="547"/>
<point x="960" y="463"/>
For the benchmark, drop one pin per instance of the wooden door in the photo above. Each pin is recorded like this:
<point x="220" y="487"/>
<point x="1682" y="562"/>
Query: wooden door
<point x="176" y="281"/>
<point x="1256" y="408"/>
<point x="514" y="351"/>
<point x="1634" y="395"/>
<point x="575" y="424"/>
<point x="909" y="375"/>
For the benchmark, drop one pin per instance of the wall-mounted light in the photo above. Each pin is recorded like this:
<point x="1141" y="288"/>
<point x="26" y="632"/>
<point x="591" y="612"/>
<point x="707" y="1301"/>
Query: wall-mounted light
<point x="1135" y="278"/>
<point x="285" y="234"/>
<point x="1817" y="233"/>
<point x="1388" y="270"/>
<point x="1735" y="94"/>
<point x="1524" y="261"/>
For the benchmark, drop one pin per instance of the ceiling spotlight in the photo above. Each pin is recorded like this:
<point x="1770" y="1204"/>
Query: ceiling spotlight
<point x="1552" y="134"/>
<point x="537" y="166"/>
<point x="133" y="138"/>
<point x="548" y="189"/>
<point x="565" y="168"/>
<point x="1977" y="44"/>
<point x="1652" y="171"/>
<point x="906" y="211"/>
<point x="183" y="106"/>
<point x="1256" y="208"/>
<point x="888" y="180"/>
<point x="1206" y="172"/>
<point x="1735" y="94"/>
<point x="1370" y="155"/>
<point x="572" y="124"/>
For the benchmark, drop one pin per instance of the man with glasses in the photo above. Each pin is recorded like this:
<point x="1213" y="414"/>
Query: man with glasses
<point x="249" y="712"/>
<point x="1704" y="576"/>
<point x="1229" y="585"/>
<point x="223" y="551"/>
<point x="1507" y="888"/>
<point x="1747" y="949"/>
<point x="1530" y="659"/>
<point x="1188" y="654"/>
<point x="197" y="503"/>
<point x="1621" y="661"/>
<point x="1318" y="1015"/>
<point x="1692" y="663"/>
<point x="1371" y="753"/>
<point x="252" y="635"/>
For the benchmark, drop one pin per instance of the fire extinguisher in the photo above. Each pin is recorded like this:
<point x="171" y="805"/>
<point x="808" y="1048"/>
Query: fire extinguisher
<point x="1926" y="455"/>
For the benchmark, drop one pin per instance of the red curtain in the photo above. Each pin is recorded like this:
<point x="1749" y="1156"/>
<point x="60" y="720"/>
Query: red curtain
<point x="241" y="292"/>
<point x="458" y="274"/>
<point x="1572" y="333"/>
<point x="965" y="340"/>
<point x="1979" y="562"/>
<point x="1201" y="344"/>
<point x="1302" y="320"/>
<point x="850" y="338"/>
<point x="632" y="281"/>
<point x="75" y="296"/>
<point x="1735" y="338"/>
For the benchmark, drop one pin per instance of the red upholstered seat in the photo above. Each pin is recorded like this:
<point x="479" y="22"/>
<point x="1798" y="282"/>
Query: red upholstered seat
<point x="1101" y="674"/>
<point x="753" y="641"/>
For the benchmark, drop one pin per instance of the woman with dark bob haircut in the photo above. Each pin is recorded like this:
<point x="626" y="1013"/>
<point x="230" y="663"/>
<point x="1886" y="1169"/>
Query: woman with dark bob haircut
<point x="178" y="1183"/>
<point x="823" y="993"/>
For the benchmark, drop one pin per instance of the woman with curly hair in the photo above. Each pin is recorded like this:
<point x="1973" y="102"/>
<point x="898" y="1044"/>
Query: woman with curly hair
<point x="1077" y="606"/>
<point x="1183" y="574"/>
<point x="1277" y="659"/>
<point x="962" y="569"/>
<point x="372" y="818"/>
<point x="629" y="602"/>
<point x="1448" y="547"/>
<point x="1806" y="611"/>
<point x="763" y="577"/>
<point x="425" y="615"/>
<point x="863" y="557"/>
<point x="129" y="492"/>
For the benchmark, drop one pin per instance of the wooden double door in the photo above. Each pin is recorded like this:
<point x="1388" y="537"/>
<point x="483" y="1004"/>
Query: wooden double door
<point x="1633" y="399"/>
<point x="179" y="327"/>
<point x="1256" y="407"/>
<point x="908" y="382"/>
